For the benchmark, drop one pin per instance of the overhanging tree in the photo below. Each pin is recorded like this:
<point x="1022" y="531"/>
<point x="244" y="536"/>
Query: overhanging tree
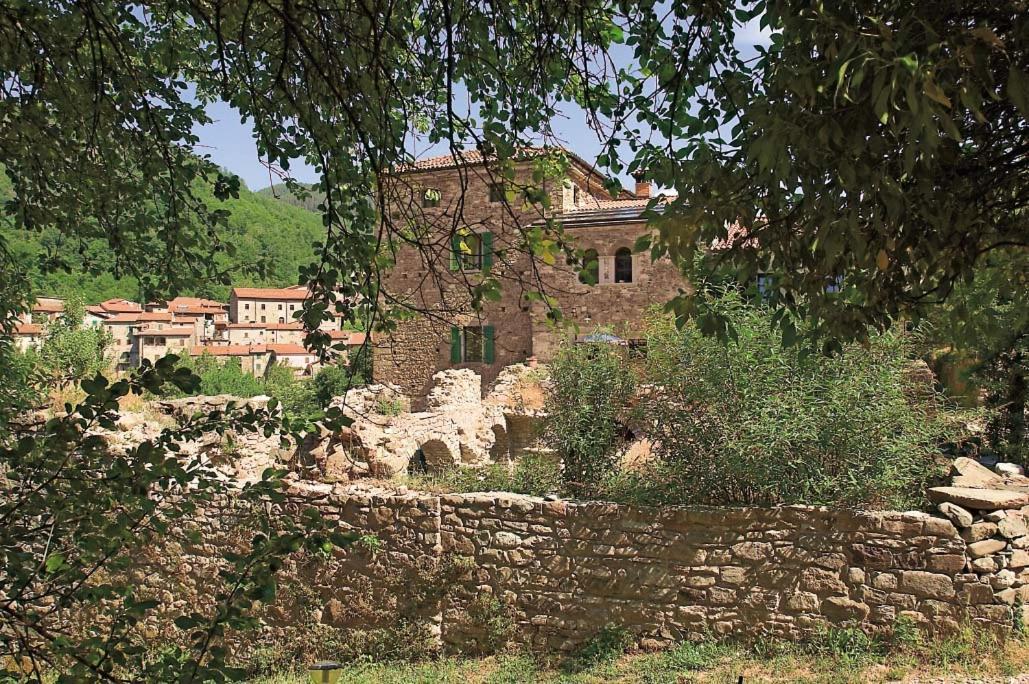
<point x="884" y="142"/>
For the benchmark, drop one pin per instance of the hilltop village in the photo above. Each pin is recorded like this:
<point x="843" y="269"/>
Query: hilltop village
<point x="257" y="327"/>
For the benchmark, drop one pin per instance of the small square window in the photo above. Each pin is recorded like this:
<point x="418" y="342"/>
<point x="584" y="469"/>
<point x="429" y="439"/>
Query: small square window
<point x="431" y="197"/>
<point x="262" y="307"/>
<point x="263" y="320"/>
<point x="496" y="192"/>
<point x="472" y="344"/>
<point x="247" y="307"/>
<point x="280" y="307"/>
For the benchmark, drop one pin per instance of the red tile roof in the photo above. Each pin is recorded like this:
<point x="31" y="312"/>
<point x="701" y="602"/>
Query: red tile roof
<point x="295" y="325"/>
<point x="468" y="157"/>
<point x="227" y="349"/>
<point x="295" y="292"/>
<point x="352" y="338"/>
<point x="175" y="331"/>
<point x="122" y="318"/>
<point x="48" y="305"/>
<point x="242" y="326"/>
<point x="288" y="349"/>
<point x="119" y="306"/>
<point x="27" y="329"/>
<point x="164" y="316"/>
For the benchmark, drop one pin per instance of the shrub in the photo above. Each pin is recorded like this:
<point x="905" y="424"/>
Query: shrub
<point x="389" y="407"/>
<point x="606" y="646"/>
<point x="334" y="381"/>
<point x="591" y="388"/>
<point x="297" y="396"/>
<point x="751" y="421"/>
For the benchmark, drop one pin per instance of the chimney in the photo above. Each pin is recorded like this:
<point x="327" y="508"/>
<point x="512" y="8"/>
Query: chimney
<point x="642" y="184"/>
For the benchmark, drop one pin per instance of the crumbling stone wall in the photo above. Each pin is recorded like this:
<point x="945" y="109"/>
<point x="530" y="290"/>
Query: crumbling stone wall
<point x="564" y="569"/>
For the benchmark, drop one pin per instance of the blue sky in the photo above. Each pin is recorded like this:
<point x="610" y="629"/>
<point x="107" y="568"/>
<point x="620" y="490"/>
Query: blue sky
<point x="230" y="143"/>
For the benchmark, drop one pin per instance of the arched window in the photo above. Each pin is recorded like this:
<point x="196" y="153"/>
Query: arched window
<point x="590" y="274"/>
<point x="623" y="265"/>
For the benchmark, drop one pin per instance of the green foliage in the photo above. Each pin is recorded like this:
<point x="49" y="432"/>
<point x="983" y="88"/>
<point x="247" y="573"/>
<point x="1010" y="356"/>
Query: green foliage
<point x="297" y="396"/>
<point x="70" y="352"/>
<point x="529" y="474"/>
<point x="270" y="241"/>
<point x="389" y="407"/>
<point x="983" y="330"/>
<point x="754" y="422"/>
<point x="605" y="646"/>
<point x="103" y="509"/>
<point x="334" y="381"/>
<point x="591" y="387"/>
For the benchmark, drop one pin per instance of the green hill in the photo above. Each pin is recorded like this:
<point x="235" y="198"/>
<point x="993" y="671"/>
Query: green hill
<point x="263" y="229"/>
<point x="279" y="192"/>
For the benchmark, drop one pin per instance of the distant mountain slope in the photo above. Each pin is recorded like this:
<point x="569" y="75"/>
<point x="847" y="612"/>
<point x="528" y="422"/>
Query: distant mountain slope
<point x="282" y="194"/>
<point x="263" y="229"/>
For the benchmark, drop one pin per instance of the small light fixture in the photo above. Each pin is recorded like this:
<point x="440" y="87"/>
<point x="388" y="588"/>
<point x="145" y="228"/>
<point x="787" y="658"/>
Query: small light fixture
<point x="325" y="672"/>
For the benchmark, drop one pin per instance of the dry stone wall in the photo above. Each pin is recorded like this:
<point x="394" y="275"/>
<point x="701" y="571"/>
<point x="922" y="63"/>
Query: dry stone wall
<point x="562" y="570"/>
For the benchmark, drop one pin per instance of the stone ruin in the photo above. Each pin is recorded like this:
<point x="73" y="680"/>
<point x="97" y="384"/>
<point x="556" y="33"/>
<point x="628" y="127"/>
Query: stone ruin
<point x="458" y="427"/>
<point x="238" y="457"/>
<point x="990" y="509"/>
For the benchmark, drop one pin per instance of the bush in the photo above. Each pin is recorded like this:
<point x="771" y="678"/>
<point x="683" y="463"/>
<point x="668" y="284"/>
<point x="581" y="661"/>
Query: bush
<point x="591" y="387"/>
<point x="297" y="396"/>
<point x="753" y="422"/>
<point x="533" y="475"/>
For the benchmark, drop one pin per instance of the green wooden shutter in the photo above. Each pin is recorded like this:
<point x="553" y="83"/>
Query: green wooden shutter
<point x="455" y="344"/>
<point x="455" y="252"/>
<point x="487" y="344"/>
<point x="487" y="252"/>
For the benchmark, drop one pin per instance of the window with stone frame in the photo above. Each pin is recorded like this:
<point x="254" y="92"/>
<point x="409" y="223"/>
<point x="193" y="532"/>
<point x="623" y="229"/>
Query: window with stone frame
<point x="472" y="339"/>
<point x="472" y="344"/>
<point x="623" y="265"/>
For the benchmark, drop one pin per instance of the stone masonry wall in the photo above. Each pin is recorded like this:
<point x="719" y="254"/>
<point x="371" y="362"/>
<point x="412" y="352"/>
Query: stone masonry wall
<point x="562" y="570"/>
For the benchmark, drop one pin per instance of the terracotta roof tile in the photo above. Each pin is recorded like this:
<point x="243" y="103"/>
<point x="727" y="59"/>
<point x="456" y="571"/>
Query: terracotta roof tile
<point x="48" y="305"/>
<point x="27" y="329"/>
<point x="227" y="349"/>
<point x="472" y="156"/>
<point x="288" y="349"/>
<point x="123" y="318"/>
<point x="120" y="306"/>
<point x="352" y="338"/>
<point x="164" y="316"/>
<point x="175" y="331"/>
<point x="270" y="293"/>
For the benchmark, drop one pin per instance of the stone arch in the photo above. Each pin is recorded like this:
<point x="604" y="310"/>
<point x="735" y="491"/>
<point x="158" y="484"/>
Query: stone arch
<point x="437" y="455"/>
<point x="501" y="449"/>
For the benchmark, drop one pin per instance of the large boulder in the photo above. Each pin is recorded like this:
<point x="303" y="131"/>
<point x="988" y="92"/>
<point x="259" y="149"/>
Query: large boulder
<point x="979" y="499"/>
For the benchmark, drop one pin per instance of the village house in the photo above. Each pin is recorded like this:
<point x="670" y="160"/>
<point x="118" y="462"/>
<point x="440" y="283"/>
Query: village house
<point x="474" y="226"/>
<point x="266" y="305"/>
<point x="27" y="336"/>
<point x="253" y="358"/>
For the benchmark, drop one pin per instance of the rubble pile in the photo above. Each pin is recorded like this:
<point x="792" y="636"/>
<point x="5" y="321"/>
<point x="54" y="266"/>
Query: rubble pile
<point x="990" y="509"/>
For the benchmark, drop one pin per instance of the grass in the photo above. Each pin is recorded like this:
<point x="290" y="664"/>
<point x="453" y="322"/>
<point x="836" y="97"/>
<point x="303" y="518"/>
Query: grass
<point x="834" y="657"/>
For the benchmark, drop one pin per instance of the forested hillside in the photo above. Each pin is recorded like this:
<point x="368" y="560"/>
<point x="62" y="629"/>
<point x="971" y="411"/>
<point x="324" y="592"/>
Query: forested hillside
<point x="273" y="238"/>
<point x="281" y="193"/>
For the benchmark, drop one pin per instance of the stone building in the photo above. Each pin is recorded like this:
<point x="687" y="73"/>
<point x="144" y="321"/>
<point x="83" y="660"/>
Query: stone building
<point x="266" y="305"/>
<point x="472" y="227"/>
<point x="253" y="358"/>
